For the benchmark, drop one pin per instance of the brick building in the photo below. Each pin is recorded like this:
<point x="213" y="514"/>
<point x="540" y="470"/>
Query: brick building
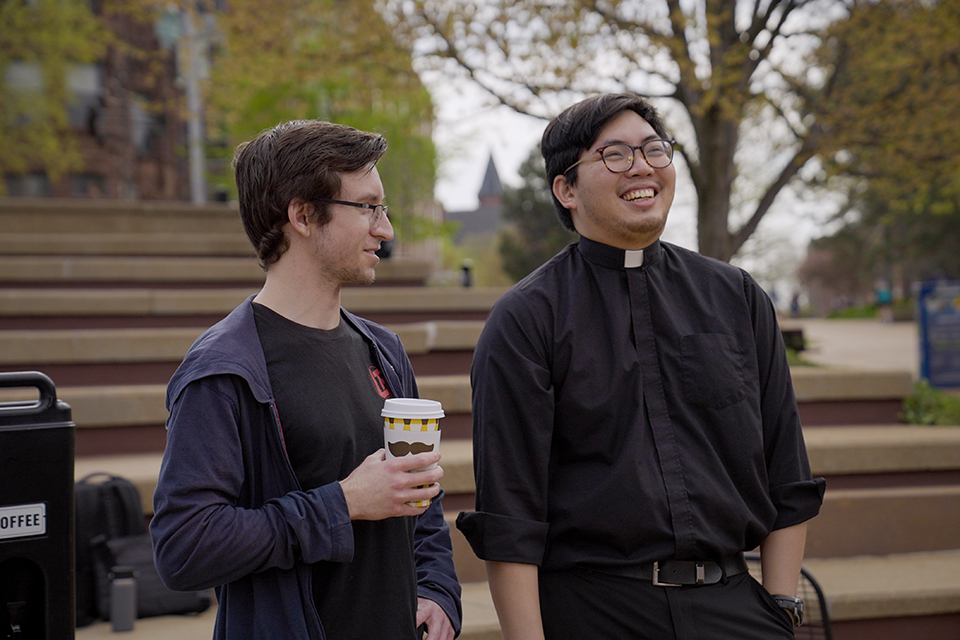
<point x="125" y="114"/>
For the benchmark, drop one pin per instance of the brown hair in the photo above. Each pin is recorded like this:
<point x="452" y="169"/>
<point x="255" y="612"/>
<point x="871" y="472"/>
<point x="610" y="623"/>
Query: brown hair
<point x="300" y="159"/>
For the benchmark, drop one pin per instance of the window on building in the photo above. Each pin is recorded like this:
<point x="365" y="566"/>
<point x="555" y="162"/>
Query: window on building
<point x="87" y="185"/>
<point x="85" y="84"/>
<point x="31" y="185"/>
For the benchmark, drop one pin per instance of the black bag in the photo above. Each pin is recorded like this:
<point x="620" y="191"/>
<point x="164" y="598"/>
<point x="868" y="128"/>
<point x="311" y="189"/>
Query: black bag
<point x="109" y="508"/>
<point x="153" y="597"/>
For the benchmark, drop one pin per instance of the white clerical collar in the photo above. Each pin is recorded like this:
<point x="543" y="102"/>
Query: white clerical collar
<point x="632" y="259"/>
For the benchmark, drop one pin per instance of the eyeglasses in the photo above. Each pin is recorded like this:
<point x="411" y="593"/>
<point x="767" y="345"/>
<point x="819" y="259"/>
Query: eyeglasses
<point x="379" y="210"/>
<point x="619" y="157"/>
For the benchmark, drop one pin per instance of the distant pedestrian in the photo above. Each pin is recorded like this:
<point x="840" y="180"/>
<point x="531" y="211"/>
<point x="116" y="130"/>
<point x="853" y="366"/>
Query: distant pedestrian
<point x="795" y="304"/>
<point x="884" y="296"/>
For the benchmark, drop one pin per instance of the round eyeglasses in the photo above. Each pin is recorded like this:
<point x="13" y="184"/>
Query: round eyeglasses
<point x="378" y="211"/>
<point x="619" y="157"/>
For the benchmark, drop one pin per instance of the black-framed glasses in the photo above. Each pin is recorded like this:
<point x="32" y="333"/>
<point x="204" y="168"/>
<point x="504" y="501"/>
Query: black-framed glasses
<point x="619" y="157"/>
<point x="378" y="210"/>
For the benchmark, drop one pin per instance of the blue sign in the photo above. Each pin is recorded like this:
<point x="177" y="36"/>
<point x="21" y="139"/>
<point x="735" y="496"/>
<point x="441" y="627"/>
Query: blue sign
<point x="939" y="307"/>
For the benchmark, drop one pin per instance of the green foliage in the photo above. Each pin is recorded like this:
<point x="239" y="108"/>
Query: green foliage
<point x="40" y="42"/>
<point x="854" y="312"/>
<point x="890" y="110"/>
<point x="931" y="406"/>
<point x="888" y="116"/>
<point x="332" y="60"/>
<point x="534" y="234"/>
<point x="795" y="359"/>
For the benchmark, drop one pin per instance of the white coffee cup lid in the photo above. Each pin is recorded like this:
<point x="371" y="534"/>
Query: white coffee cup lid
<point x="411" y="408"/>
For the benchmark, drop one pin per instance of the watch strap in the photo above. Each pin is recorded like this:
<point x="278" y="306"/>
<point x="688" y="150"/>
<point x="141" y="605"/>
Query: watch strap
<point x="793" y="606"/>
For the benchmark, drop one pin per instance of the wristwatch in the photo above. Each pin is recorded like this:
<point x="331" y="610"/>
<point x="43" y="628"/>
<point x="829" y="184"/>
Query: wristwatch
<point x="793" y="606"/>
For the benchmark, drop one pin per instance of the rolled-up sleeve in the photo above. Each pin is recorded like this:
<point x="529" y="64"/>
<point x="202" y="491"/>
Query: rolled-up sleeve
<point x="797" y="502"/>
<point x="796" y="495"/>
<point x="513" y="415"/>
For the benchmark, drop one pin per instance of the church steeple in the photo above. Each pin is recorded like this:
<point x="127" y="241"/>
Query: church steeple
<point x="491" y="190"/>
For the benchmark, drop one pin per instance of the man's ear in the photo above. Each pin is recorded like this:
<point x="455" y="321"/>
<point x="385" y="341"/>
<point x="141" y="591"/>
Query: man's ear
<point x="564" y="192"/>
<point x="300" y="214"/>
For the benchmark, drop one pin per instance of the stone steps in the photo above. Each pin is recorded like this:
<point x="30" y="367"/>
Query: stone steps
<point x="130" y="418"/>
<point x="867" y="520"/>
<point x="843" y="396"/>
<point x="911" y="591"/>
<point x="86" y="308"/>
<point x="138" y="355"/>
<point x="902" y="596"/>
<point x="834" y="452"/>
<point x="98" y="270"/>
<point x="479" y="622"/>
<point x="140" y="407"/>
<point x="86" y="345"/>
<point x="106" y="296"/>
<point x="899" y="597"/>
<point x="191" y="271"/>
<point x="117" y="227"/>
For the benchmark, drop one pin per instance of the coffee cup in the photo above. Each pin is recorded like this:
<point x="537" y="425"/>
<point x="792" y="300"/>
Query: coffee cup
<point x="411" y="426"/>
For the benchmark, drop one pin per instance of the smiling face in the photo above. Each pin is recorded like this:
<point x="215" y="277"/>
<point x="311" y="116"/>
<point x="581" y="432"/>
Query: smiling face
<point x="345" y="247"/>
<point x="624" y="210"/>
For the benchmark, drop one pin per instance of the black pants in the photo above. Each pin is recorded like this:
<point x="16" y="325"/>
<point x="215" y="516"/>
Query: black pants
<point x="589" y="605"/>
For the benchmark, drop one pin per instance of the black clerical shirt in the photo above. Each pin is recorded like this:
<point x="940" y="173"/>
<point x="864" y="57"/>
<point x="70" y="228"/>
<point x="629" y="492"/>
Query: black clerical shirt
<point x="627" y="414"/>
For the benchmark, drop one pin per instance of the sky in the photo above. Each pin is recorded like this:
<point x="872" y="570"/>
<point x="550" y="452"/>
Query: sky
<point x="470" y="128"/>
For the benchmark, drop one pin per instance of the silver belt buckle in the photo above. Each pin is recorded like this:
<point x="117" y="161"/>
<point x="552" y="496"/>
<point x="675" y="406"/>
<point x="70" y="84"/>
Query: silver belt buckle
<point x="656" y="577"/>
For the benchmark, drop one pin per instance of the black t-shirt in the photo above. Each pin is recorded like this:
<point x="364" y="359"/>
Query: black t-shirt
<point x="329" y="393"/>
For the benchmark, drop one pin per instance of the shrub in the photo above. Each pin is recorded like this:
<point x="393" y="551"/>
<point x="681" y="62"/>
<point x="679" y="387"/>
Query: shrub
<point x="928" y="405"/>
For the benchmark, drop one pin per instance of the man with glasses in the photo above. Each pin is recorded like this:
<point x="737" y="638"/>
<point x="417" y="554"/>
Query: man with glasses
<point x="635" y="428"/>
<point x="275" y="488"/>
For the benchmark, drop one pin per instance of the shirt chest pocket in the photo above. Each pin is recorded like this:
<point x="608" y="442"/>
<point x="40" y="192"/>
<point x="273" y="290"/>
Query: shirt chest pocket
<point x="712" y="368"/>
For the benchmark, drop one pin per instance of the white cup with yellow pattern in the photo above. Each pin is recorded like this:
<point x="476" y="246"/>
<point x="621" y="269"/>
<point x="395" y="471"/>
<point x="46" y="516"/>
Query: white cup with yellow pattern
<point x="410" y="426"/>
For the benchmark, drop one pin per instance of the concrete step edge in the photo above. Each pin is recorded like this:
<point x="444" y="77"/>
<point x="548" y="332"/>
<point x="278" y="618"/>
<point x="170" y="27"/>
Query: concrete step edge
<point x="144" y="404"/>
<point x="863" y="587"/>
<point x="826" y="384"/>
<point x="903" y="584"/>
<point x="169" y="344"/>
<point x="869" y="449"/>
<point x="850" y="585"/>
<point x="154" y="243"/>
<point x="140" y="301"/>
<point x="458" y="474"/>
<point x="163" y="268"/>
<point x="143" y="469"/>
<point x="86" y="268"/>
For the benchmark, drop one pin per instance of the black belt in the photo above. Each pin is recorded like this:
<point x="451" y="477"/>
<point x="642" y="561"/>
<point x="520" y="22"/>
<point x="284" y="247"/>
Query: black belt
<point x="677" y="573"/>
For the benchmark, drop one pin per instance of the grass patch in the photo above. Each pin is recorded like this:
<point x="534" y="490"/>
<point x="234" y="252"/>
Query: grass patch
<point x="856" y="311"/>
<point x="931" y="406"/>
<point x="795" y="359"/>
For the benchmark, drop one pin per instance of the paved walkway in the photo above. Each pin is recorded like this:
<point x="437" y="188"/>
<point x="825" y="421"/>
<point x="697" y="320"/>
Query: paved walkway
<point x="188" y="627"/>
<point x="861" y="344"/>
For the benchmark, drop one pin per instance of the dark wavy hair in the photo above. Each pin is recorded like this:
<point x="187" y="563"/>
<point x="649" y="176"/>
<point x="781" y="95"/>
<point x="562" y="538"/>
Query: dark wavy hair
<point x="576" y="129"/>
<point x="300" y="159"/>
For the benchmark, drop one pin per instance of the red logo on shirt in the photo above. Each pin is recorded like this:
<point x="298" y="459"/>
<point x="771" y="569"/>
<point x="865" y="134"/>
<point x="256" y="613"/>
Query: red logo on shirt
<point x="380" y="383"/>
